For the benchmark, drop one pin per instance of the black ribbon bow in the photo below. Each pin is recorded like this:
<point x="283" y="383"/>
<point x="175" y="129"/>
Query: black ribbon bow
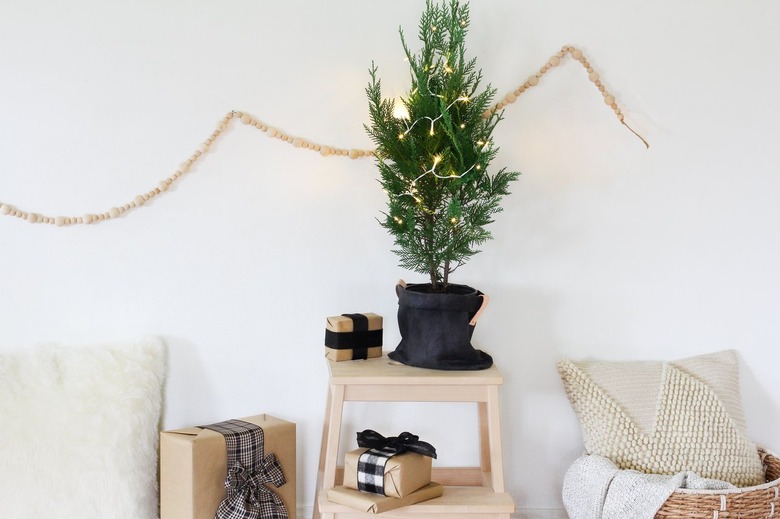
<point x="404" y="442"/>
<point x="248" y="497"/>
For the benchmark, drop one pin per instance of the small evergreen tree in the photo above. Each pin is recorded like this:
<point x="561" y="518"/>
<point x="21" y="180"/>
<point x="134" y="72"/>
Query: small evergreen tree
<point x="434" y="163"/>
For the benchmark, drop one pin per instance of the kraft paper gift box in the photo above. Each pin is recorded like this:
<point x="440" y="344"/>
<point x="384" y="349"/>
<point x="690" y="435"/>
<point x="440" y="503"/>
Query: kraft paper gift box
<point x="353" y="337"/>
<point x="193" y="467"/>
<point x="376" y="504"/>
<point x="403" y="474"/>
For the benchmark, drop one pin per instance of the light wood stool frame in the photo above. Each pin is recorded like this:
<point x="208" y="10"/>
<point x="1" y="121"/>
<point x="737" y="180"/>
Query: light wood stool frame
<point x="477" y="492"/>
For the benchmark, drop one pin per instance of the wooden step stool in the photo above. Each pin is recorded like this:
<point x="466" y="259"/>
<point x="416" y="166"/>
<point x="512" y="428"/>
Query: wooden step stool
<point x="470" y="492"/>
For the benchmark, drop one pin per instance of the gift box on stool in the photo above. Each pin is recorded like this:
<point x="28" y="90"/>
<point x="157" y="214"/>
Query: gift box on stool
<point x="193" y="468"/>
<point x="386" y="473"/>
<point x="353" y="336"/>
<point x="376" y="504"/>
<point x="403" y="473"/>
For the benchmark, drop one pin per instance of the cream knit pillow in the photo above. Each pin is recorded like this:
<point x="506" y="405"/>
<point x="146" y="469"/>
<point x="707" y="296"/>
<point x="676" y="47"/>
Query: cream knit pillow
<point x="664" y="418"/>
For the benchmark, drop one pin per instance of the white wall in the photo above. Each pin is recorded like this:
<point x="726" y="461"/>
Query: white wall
<point x="605" y="249"/>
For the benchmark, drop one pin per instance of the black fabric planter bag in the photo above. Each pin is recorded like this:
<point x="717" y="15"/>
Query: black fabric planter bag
<point x="436" y="328"/>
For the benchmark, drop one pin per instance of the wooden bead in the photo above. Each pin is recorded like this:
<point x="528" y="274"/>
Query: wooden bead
<point x="271" y="132"/>
<point x="87" y="219"/>
<point x="32" y="217"/>
<point x="324" y="151"/>
<point x="576" y="54"/>
<point x="533" y="80"/>
<point x="297" y="142"/>
<point x="113" y="212"/>
<point x="139" y="200"/>
<point x="510" y="97"/>
<point x="59" y="221"/>
<point x="608" y="99"/>
<point x="163" y="186"/>
<point x="555" y="61"/>
<point x="184" y="167"/>
<point x="593" y="76"/>
<point x="353" y="154"/>
<point x="204" y="147"/>
<point x="246" y="119"/>
<point x="5" y="209"/>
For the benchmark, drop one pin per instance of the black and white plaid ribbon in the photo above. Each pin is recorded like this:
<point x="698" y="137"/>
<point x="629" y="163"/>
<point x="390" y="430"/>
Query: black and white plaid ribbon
<point x="248" y="471"/>
<point x="371" y="470"/>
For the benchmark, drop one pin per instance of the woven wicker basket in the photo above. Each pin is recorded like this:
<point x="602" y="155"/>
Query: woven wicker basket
<point x="757" y="502"/>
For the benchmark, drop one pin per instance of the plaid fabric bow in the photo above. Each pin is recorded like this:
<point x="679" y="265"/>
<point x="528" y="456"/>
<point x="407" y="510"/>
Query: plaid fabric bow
<point x="248" y="497"/>
<point x="249" y="470"/>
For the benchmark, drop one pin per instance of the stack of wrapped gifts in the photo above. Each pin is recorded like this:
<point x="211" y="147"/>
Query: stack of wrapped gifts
<point x="386" y="473"/>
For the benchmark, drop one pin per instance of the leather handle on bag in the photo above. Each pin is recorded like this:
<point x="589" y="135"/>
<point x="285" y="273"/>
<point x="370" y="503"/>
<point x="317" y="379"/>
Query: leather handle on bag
<point x="398" y="286"/>
<point x="485" y="301"/>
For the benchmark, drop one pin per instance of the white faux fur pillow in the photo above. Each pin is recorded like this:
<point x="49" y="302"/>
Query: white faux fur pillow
<point x="79" y="431"/>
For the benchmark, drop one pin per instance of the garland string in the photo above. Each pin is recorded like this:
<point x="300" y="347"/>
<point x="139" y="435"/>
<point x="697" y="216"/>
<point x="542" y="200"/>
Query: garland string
<point x="8" y="209"/>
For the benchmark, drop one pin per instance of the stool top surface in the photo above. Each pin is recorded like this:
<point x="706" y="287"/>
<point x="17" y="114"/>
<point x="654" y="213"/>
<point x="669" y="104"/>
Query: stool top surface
<point x="383" y="371"/>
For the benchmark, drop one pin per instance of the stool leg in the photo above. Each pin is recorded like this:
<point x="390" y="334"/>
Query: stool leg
<point x="329" y="448"/>
<point x="333" y="435"/>
<point x="484" y="444"/>
<point x="494" y="435"/>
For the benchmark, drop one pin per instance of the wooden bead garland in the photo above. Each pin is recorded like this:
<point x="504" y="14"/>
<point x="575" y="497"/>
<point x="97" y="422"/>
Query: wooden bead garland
<point x="593" y="76"/>
<point x="7" y="209"/>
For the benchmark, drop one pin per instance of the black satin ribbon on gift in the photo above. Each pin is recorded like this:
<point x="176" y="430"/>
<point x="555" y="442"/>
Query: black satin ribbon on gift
<point x="359" y="340"/>
<point x="404" y="442"/>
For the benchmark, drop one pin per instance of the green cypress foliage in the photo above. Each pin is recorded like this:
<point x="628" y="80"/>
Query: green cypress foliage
<point x="434" y="164"/>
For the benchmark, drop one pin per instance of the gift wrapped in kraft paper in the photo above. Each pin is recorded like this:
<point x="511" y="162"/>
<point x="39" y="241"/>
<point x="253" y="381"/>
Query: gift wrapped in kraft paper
<point x="353" y="337"/>
<point x="394" y="467"/>
<point x="402" y="475"/>
<point x="376" y="504"/>
<point x="194" y="469"/>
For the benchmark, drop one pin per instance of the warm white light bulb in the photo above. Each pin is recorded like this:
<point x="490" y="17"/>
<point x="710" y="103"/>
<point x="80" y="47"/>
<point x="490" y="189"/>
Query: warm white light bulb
<point x="399" y="109"/>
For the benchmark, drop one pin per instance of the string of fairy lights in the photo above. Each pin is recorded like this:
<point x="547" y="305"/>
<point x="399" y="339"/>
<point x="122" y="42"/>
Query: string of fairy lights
<point x="9" y="209"/>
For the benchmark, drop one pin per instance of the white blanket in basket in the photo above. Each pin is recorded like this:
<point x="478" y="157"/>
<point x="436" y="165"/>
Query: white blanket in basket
<point x="595" y="488"/>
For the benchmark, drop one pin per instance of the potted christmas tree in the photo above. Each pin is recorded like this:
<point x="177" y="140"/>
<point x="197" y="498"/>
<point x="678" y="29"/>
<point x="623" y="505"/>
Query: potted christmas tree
<point x="434" y="166"/>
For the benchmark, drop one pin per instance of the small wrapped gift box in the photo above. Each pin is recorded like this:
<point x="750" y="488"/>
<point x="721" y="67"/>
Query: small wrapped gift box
<point x="376" y="504"/>
<point x="193" y="467"/>
<point x="353" y="336"/>
<point x="402" y="474"/>
<point x="395" y="466"/>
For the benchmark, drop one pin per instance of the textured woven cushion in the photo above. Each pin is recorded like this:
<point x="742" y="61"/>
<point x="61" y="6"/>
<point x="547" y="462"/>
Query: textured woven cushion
<point x="664" y="418"/>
